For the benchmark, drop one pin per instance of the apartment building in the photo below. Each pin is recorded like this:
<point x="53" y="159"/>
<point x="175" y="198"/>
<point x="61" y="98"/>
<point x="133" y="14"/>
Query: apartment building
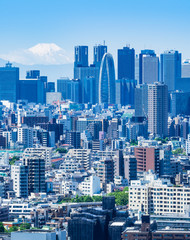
<point x="158" y="196"/>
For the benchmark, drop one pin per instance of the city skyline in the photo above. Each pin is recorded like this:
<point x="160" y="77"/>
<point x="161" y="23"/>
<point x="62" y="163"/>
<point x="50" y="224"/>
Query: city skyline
<point x="27" y="27"/>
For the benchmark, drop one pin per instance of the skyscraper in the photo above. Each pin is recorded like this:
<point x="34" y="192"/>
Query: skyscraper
<point x="33" y="88"/>
<point x="137" y="68"/>
<point x="185" y="69"/>
<point x="107" y="80"/>
<point x="81" y="56"/>
<point x="125" y="91"/>
<point x="50" y="87"/>
<point x="76" y="91"/>
<point x="64" y="86"/>
<point x="32" y="74"/>
<point x="85" y="72"/>
<point x="158" y="109"/>
<point x="148" y="67"/>
<point x="89" y="90"/>
<point x="170" y="68"/>
<point x="9" y="81"/>
<point x="126" y="63"/>
<point x="141" y="100"/>
<point x="99" y="52"/>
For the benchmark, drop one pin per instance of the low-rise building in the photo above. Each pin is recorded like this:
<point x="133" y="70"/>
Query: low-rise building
<point x="90" y="186"/>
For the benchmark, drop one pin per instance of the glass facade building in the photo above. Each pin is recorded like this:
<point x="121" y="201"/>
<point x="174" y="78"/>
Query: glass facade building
<point x="148" y="67"/>
<point x="99" y="52"/>
<point x="125" y="91"/>
<point x="81" y="56"/>
<point x="9" y="83"/>
<point x="32" y="90"/>
<point x="64" y="86"/>
<point x="170" y="68"/>
<point x="107" y="80"/>
<point x="126" y="63"/>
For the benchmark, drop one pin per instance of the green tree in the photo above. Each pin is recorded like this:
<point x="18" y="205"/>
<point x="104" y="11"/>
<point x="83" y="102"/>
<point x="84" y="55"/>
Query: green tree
<point x="13" y="229"/>
<point x="24" y="226"/>
<point x="178" y="151"/>
<point x="133" y="143"/>
<point x="2" y="229"/>
<point x="13" y="160"/>
<point x="97" y="198"/>
<point x="158" y="139"/>
<point x="88" y="199"/>
<point x="61" y="150"/>
<point x="121" y="197"/>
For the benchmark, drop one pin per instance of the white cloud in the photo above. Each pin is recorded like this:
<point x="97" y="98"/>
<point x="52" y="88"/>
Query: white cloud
<point x="42" y="53"/>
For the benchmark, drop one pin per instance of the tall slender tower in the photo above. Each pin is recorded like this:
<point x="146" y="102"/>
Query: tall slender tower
<point x="158" y="109"/>
<point x="170" y="68"/>
<point x="99" y="52"/>
<point x="81" y="56"/>
<point x="148" y="67"/>
<point x="107" y="80"/>
<point x="126" y="63"/>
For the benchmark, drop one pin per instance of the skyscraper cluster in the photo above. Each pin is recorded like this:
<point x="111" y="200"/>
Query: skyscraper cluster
<point x="124" y="132"/>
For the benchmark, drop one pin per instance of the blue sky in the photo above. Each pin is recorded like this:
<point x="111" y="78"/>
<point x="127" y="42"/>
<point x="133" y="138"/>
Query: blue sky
<point x="155" y="24"/>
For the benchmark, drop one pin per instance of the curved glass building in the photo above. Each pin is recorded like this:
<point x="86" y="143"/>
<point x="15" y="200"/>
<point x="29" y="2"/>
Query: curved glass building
<point x="107" y="80"/>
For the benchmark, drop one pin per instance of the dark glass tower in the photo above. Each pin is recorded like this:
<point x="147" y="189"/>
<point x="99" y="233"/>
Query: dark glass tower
<point x="81" y="56"/>
<point x="126" y="63"/>
<point x="99" y="52"/>
<point x="170" y="68"/>
<point x="9" y="83"/>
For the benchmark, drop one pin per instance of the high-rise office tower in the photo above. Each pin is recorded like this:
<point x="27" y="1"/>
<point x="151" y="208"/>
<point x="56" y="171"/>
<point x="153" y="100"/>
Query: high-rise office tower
<point x="19" y="174"/>
<point x="137" y="68"/>
<point x="76" y="91"/>
<point x="9" y="83"/>
<point x="141" y="100"/>
<point x="32" y="74"/>
<point x="148" y="67"/>
<point x="82" y="71"/>
<point x="158" y="109"/>
<point x="179" y="103"/>
<point x="185" y="69"/>
<point x="81" y="56"/>
<point x="107" y="80"/>
<point x="99" y="52"/>
<point x="170" y="68"/>
<point x="50" y="87"/>
<point x="126" y="63"/>
<point x="64" y="86"/>
<point x="33" y="88"/>
<point x="89" y="90"/>
<point x="125" y="91"/>
<point x="36" y="174"/>
<point x="85" y="72"/>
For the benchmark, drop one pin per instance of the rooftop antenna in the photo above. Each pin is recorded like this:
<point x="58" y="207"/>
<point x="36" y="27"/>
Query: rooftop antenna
<point x="104" y="42"/>
<point x="128" y="45"/>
